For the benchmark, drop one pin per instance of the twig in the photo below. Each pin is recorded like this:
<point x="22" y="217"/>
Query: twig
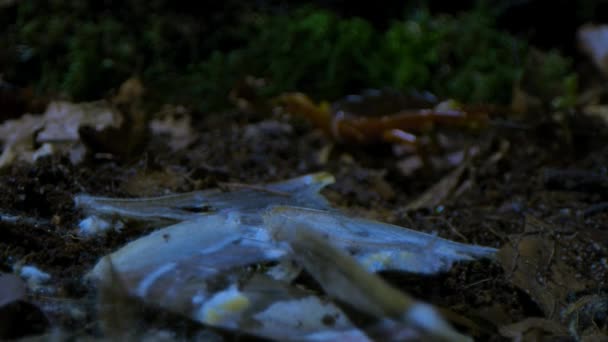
<point x="14" y="219"/>
<point x="477" y="283"/>
<point x="451" y="226"/>
<point x="595" y="209"/>
<point x="576" y="180"/>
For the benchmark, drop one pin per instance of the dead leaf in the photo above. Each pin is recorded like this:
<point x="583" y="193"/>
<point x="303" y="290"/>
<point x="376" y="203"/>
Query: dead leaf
<point x="533" y="329"/>
<point x="18" y="138"/>
<point x="128" y="138"/>
<point x="117" y="310"/>
<point x="59" y="126"/>
<point x="588" y="315"/>
<point x="191" y="268"/>
<point x="342" y="277"/>
<point x="439" y="192"/>
<point x="132" y="90"/>
<point x="533" y="263"/>
<point x="63" y="119"/>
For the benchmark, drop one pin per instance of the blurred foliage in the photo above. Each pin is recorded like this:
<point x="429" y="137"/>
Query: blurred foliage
<point x="548" y="76"/>
<point x="83" y="50"/>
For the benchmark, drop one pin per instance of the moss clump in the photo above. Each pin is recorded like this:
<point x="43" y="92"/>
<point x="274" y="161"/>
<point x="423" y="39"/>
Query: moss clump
<point x="317" y="52"/>
<point x="84" y="51"/>
<point x="310" y="50"/>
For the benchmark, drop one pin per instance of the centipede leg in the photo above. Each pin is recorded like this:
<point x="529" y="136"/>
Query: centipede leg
<point x="397" y="136"/>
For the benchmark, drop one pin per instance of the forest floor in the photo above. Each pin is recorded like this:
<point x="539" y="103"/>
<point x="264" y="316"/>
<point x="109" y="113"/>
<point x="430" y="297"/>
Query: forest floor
<point x="536" y="191"/>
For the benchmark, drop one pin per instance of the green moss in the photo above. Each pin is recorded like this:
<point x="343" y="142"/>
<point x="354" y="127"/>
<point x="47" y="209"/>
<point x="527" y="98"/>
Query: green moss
<point x="550" y="76"/>
<point x="326" y="56"/>
<point x="481" y="64"/>
<point x="312" y="51"/>
<point x="407" y="54"/>
<point x="83" y="52"/>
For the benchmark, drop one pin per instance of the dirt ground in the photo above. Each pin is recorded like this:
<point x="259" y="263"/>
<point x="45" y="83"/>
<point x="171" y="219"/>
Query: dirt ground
<point x="521" y="184"/>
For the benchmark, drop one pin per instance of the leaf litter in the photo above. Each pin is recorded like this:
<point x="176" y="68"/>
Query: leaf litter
<point x="173" y="266"/>
<point x="26" y="138"/>
<point x="66" y="126"/>
<point x="242" y="277"/>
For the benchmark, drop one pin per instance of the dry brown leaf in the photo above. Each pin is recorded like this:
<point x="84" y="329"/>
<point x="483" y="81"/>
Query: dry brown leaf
<point x="533" y="329"/>
<point x="130" y="135"/>
<point x="63" y="119"/>
<point x="533" y="263"/>
<point x="117" y="310"/>
<point x="129" y="92"/>
<point x="343" y="278"/>
<point x="18" y="138"/>
<point x="65" y="124"/>
<point x="59" y="125"/>
<point x="588" y="315"/>
<point x="439" y="192"/>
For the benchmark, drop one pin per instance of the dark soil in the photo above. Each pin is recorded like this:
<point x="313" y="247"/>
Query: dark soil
<point x="232" y="147"/>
